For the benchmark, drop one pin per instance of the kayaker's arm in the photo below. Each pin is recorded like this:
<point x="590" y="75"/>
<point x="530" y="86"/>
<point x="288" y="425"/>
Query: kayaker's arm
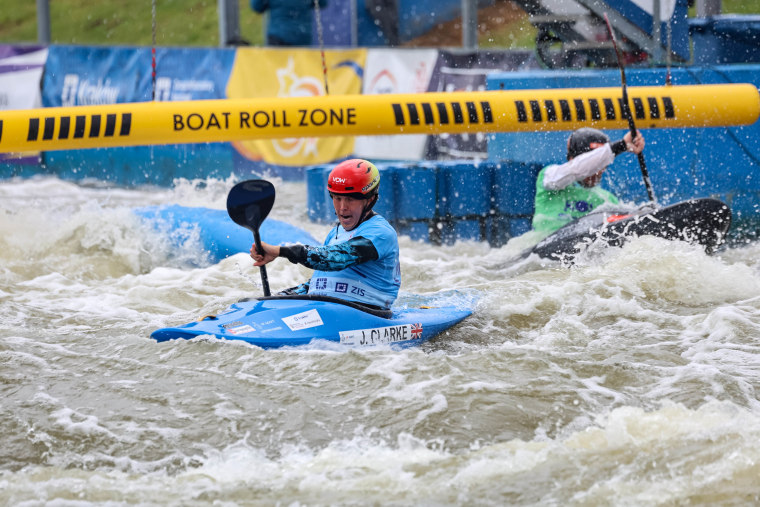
<point x="331" y="258"/>
<point x="587" y="164"/>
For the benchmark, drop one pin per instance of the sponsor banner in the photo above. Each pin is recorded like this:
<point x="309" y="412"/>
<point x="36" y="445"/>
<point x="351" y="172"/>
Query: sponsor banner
<point x="20" y="75"/>
<point x="101" y="77"/>
<point x="467" y="71"/>
<point x="394" y="71"/>
<point x="266" y="72"/>
<point x="85" y="76"/>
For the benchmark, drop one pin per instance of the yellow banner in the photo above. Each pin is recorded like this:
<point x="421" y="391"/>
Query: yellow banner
<point x="148" y="123"/>
<point x="295" y="73"/>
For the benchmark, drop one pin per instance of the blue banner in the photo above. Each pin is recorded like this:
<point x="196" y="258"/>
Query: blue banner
<point x="78" y="75"/>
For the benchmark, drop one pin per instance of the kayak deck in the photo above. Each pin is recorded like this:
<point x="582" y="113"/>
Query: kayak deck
<point x="279" y="321"/>
<point x="697" y="221"/>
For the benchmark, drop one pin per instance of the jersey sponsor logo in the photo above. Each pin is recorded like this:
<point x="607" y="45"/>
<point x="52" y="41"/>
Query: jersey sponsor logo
<point x="381" y="335"/>
<point x="341" y="287"/>
<point x="303" y="320"/>
<point x="438" y="113"/>
<point x="579" y="206"/>
<point x="581" y="110"/>
<point x="320" y="283"/>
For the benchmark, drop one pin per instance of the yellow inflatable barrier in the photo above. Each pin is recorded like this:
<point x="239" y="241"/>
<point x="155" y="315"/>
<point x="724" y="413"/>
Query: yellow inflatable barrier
<point x="148" y="123"/>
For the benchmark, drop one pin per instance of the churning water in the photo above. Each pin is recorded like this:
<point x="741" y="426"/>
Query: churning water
<point x="630" y="379"/>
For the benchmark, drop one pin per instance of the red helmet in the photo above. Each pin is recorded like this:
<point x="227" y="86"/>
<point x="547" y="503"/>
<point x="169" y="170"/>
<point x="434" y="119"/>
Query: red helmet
<point x="355" y="178"/>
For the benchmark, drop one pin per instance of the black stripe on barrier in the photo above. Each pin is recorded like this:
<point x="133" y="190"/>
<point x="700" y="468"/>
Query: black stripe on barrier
<point x="414" y="116"/>
<point x="49" y="130"/>
<point x="397" y="112"/>
<point x="654" y="109"/>
<point x="457" y="110"/>
<point x="551" y="113"/>
<point x="487" y="115"/>
<point x="535" y="109"/>
<point x="580" y="110"/>
<point x="63" y="133"/>
<point x="638" y="107"/>
<point x="110" y="125"/>
<point x="95" y="126"/>
<point x="34" y="129"/>
<point x="1" y="130"/>
<point x="522" y="114"/>
<point x="442" y="112"/>
<point x="596" y="114"/>
<point x="427" y="112"/>
<point x="667" y="104"/>
<point x="126" y="124"/>
<point x="609" y="109"/>
<point x="472" y="112"/>
<point x="564" y="108"/>
<point x="79" y="127"/>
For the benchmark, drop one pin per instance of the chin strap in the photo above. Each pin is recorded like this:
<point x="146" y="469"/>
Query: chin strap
<point x="368" y="213"/>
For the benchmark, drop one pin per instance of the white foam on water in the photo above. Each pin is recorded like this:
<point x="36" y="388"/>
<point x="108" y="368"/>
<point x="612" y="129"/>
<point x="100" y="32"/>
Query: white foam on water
<point x="627" y="379"/>
<point x="671" y="455"/>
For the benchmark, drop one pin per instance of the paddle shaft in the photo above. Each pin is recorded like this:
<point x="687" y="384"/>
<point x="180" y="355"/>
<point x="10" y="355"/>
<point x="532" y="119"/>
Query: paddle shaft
<point x="626" y="109"/>
<point x="262" y="269"/>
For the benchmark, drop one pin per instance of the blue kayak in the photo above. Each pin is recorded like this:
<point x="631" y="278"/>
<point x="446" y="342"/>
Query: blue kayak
<point x="217" y="234"/>
<point x="278" y="321"/>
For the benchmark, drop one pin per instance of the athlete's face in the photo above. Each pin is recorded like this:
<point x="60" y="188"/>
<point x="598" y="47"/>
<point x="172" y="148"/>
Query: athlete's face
<point x="349" y="210"/>
<point x="592" y="180"/>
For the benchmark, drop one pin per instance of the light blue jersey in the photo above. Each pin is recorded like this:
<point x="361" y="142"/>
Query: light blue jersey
<point x="374" y="282"/>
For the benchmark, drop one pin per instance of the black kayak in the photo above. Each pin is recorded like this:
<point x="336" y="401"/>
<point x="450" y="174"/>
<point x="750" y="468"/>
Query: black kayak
<point x="696" y="221"/>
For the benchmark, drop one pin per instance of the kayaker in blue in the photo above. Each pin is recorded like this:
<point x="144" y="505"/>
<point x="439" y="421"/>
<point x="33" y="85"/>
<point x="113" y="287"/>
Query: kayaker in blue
<point x="359" y="260"/>
<point x="565" y="192"/>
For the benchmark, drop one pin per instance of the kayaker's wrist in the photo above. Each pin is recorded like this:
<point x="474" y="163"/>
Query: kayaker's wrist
<point x="294" y="253"/>
<point x="619" y="147"/>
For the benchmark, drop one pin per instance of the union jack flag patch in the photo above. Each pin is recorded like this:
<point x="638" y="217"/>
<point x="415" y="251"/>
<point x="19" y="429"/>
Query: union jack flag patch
<point x="416" y="331"/>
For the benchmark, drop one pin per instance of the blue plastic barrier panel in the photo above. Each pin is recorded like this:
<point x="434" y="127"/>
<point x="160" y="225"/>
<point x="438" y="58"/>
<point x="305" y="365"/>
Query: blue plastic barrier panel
<point x="416" y="191"/>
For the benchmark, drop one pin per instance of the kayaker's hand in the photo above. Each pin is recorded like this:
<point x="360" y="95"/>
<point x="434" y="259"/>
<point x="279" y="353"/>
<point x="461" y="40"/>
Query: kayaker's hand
<point x="271" y="252"/>
<point x="636" y="145"/>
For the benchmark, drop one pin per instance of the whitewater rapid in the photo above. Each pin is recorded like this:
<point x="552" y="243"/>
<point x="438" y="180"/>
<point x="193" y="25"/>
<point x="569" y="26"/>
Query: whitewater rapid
<point x="628" y="379"/>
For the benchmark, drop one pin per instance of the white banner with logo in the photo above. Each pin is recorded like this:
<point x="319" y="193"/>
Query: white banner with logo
<point x="395" y="71"/>
<point x="20" y="75"/>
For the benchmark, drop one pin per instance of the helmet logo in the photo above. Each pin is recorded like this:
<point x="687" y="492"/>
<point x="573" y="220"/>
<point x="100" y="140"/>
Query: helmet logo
<point x="370" y="184"/>
<point x="339" y="180"/>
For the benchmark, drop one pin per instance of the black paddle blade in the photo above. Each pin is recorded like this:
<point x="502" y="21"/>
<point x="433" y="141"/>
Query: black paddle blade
<point x="249" y="202"/>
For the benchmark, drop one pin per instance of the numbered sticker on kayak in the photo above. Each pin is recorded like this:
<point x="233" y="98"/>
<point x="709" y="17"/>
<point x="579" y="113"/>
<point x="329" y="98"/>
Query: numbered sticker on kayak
<point x="303" y="320"/>
<point x="381" y="335"/>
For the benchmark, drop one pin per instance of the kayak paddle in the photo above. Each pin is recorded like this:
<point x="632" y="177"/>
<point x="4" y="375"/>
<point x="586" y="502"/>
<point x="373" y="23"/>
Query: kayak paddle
<point x="248" y="204"/>
<point x="626" y="110"/>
